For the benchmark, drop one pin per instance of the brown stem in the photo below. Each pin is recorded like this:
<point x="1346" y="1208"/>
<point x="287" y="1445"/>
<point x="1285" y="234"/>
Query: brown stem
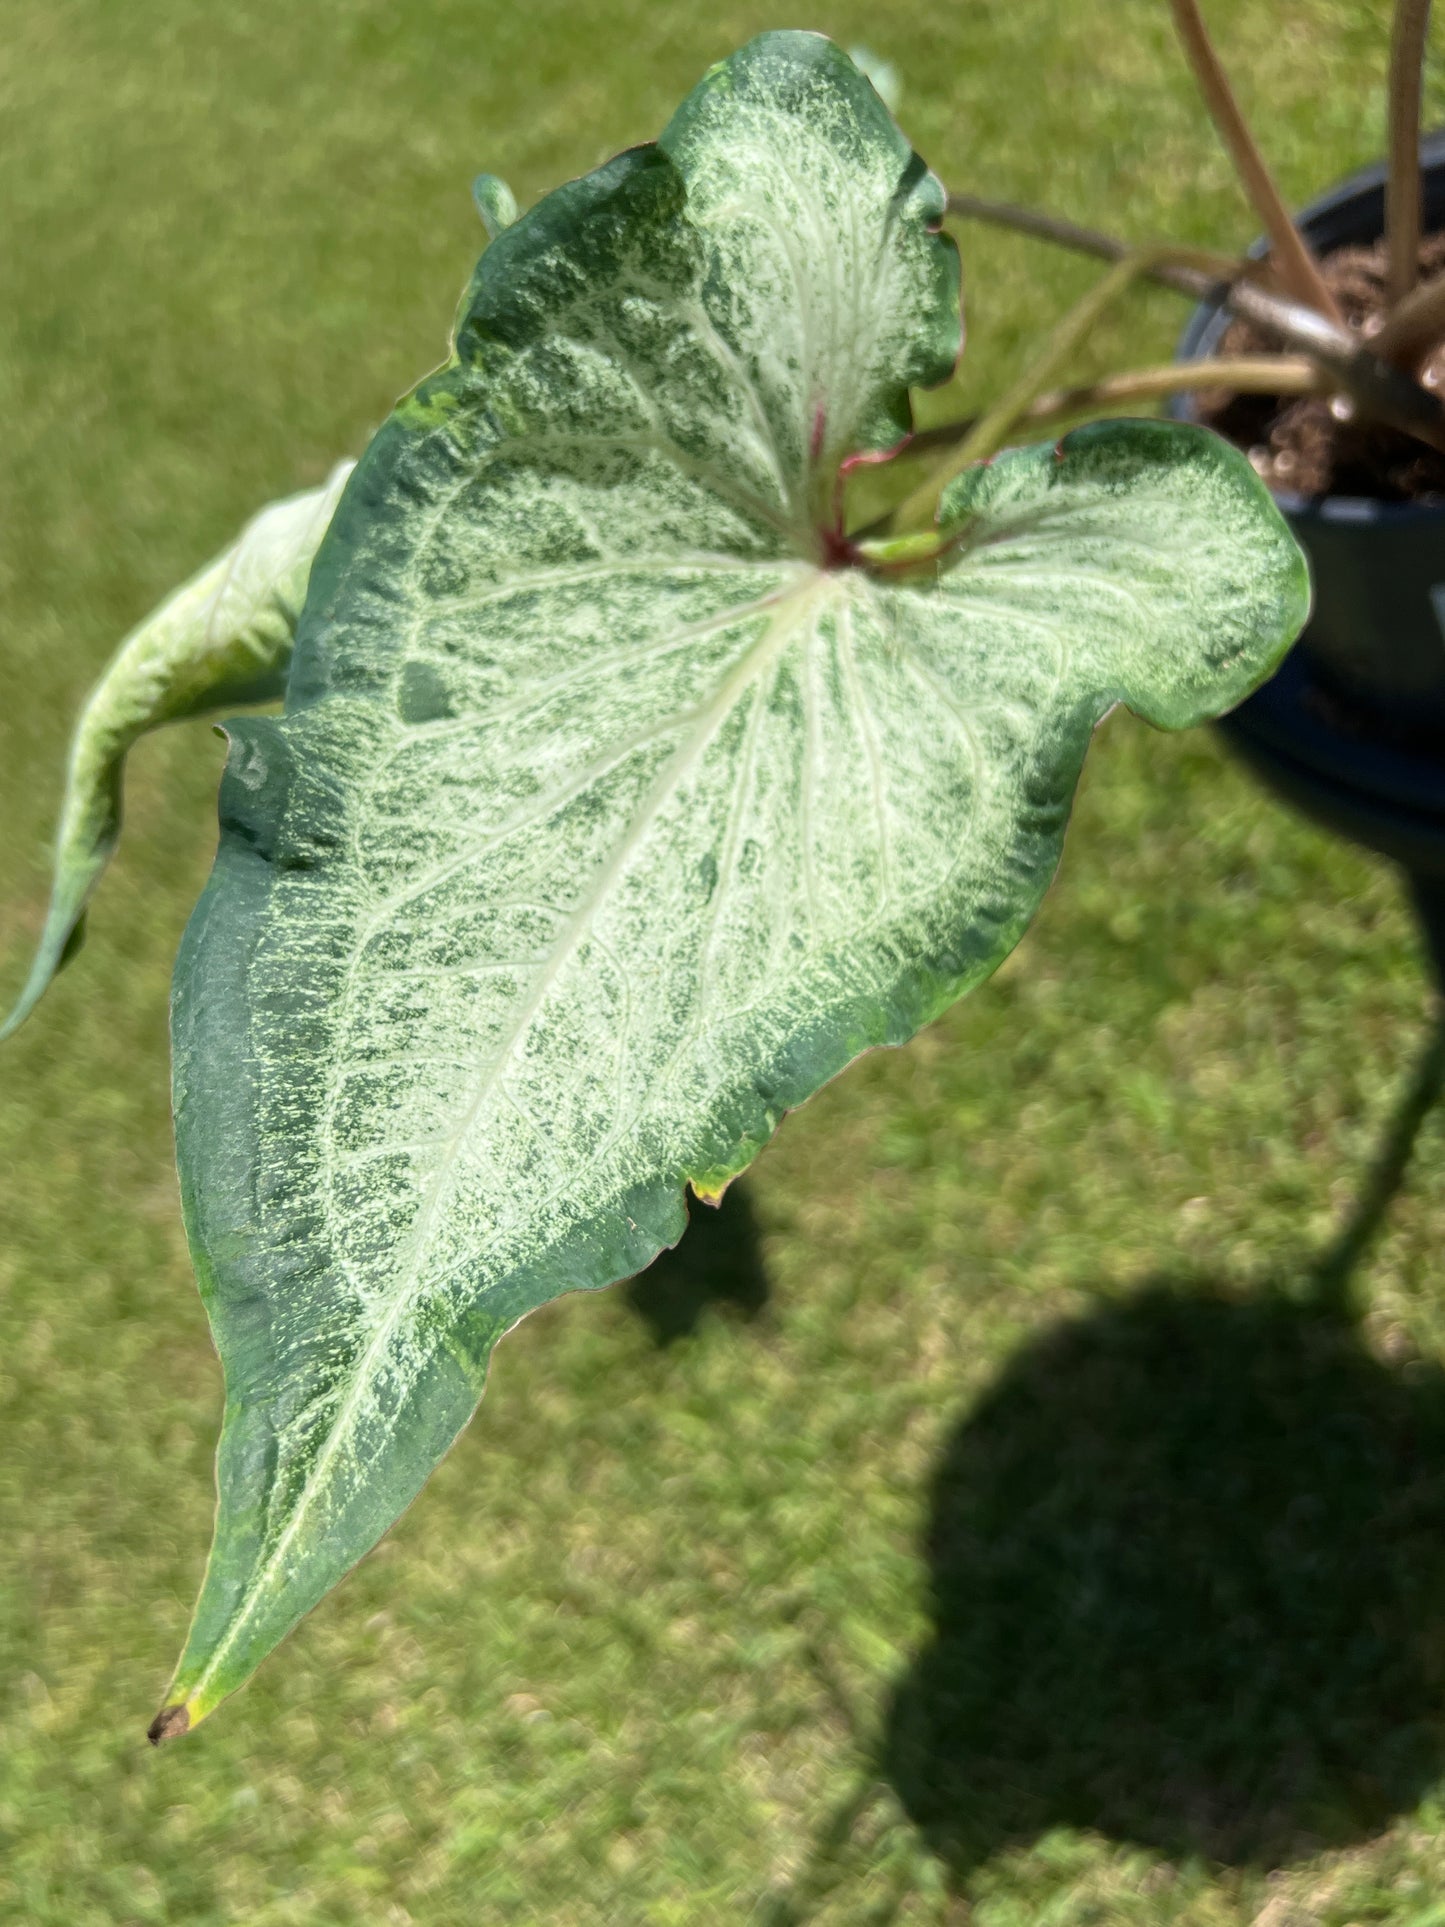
<point x="1381" y="392"/>
<point x="997" y="424"/>
<point x="1196" y="281"/>
<point x="1244" y="374"/>
<point x="1415" y="326"/>
<point x="993" y="428"/>
<point x="1402" y="194"/>
<point x="1296" y="265"/>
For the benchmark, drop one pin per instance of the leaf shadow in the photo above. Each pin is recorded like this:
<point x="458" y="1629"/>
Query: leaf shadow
<point x="717" y="1264"/>
<point x="1187" y="1565"/>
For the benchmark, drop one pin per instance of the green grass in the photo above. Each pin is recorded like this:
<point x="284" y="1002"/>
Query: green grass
<point x="1040" y="1551"/>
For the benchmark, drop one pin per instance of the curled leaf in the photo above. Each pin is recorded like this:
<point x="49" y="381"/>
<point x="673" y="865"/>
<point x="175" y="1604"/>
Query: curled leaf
<point x="224" y="637"/>
<point x="495" y="202"/>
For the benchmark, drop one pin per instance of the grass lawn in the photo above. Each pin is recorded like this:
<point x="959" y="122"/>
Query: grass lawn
<point x="992" y="1515"/>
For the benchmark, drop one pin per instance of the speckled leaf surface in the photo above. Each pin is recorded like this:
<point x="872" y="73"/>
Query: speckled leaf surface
<point x="611" y="814"/>
<point x="223" y="637"/>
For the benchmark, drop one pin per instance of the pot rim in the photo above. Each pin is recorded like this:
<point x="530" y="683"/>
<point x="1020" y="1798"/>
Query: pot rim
<point x="1358" y="509"/>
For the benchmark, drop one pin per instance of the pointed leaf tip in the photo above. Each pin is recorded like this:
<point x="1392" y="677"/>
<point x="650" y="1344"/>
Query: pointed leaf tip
<point x="169" y="1724"/>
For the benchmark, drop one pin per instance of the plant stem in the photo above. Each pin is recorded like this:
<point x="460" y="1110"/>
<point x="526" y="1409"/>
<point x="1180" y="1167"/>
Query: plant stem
<point x="1402" y="194"/>
<point x="1415" y="326"/>
<point x="989" y="433"/>
<point x="1381" y="392"/>
<point x="1065" y="407"/>
<point x="1244" y="374"/>
<point x="1296" y="265"/>
<point x="1208" y="269"/>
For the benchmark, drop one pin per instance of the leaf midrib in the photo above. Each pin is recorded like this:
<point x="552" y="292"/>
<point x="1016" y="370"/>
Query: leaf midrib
<point x="556" y="799"/>
<point x="750" y="669"/>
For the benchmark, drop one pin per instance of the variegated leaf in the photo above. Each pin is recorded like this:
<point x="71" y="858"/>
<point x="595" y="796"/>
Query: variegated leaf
<point x="617" y="805"/>
<point x="223" y="638"/>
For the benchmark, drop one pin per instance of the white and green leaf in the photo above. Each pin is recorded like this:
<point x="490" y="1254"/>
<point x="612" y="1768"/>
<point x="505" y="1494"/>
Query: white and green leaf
<point x="615" y="806"/>
<point x="224" y="637"/>
<point x="495" y="202"/>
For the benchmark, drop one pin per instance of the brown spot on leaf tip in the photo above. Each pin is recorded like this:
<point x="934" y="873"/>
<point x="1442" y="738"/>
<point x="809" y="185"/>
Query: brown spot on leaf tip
<point x="168" y="1724"/>
<point x="709" y="1193"/>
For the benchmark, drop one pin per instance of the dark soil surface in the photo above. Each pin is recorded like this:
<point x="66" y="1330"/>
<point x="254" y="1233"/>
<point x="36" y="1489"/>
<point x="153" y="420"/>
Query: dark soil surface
<point x="1311" y="445"/>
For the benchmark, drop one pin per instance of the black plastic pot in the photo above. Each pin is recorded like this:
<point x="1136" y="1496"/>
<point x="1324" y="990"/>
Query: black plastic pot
<point x="1352" y="729"/>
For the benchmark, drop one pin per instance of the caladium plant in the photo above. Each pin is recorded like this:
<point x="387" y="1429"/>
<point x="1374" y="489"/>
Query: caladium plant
<point x="623" y="791"/>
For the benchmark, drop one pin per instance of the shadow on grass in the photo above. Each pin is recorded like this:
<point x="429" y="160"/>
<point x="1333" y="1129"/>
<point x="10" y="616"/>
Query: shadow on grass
<point x="1188" y="1565"/>
<point x="1188" y="1575"/>
<point x="717" y="1264"/>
